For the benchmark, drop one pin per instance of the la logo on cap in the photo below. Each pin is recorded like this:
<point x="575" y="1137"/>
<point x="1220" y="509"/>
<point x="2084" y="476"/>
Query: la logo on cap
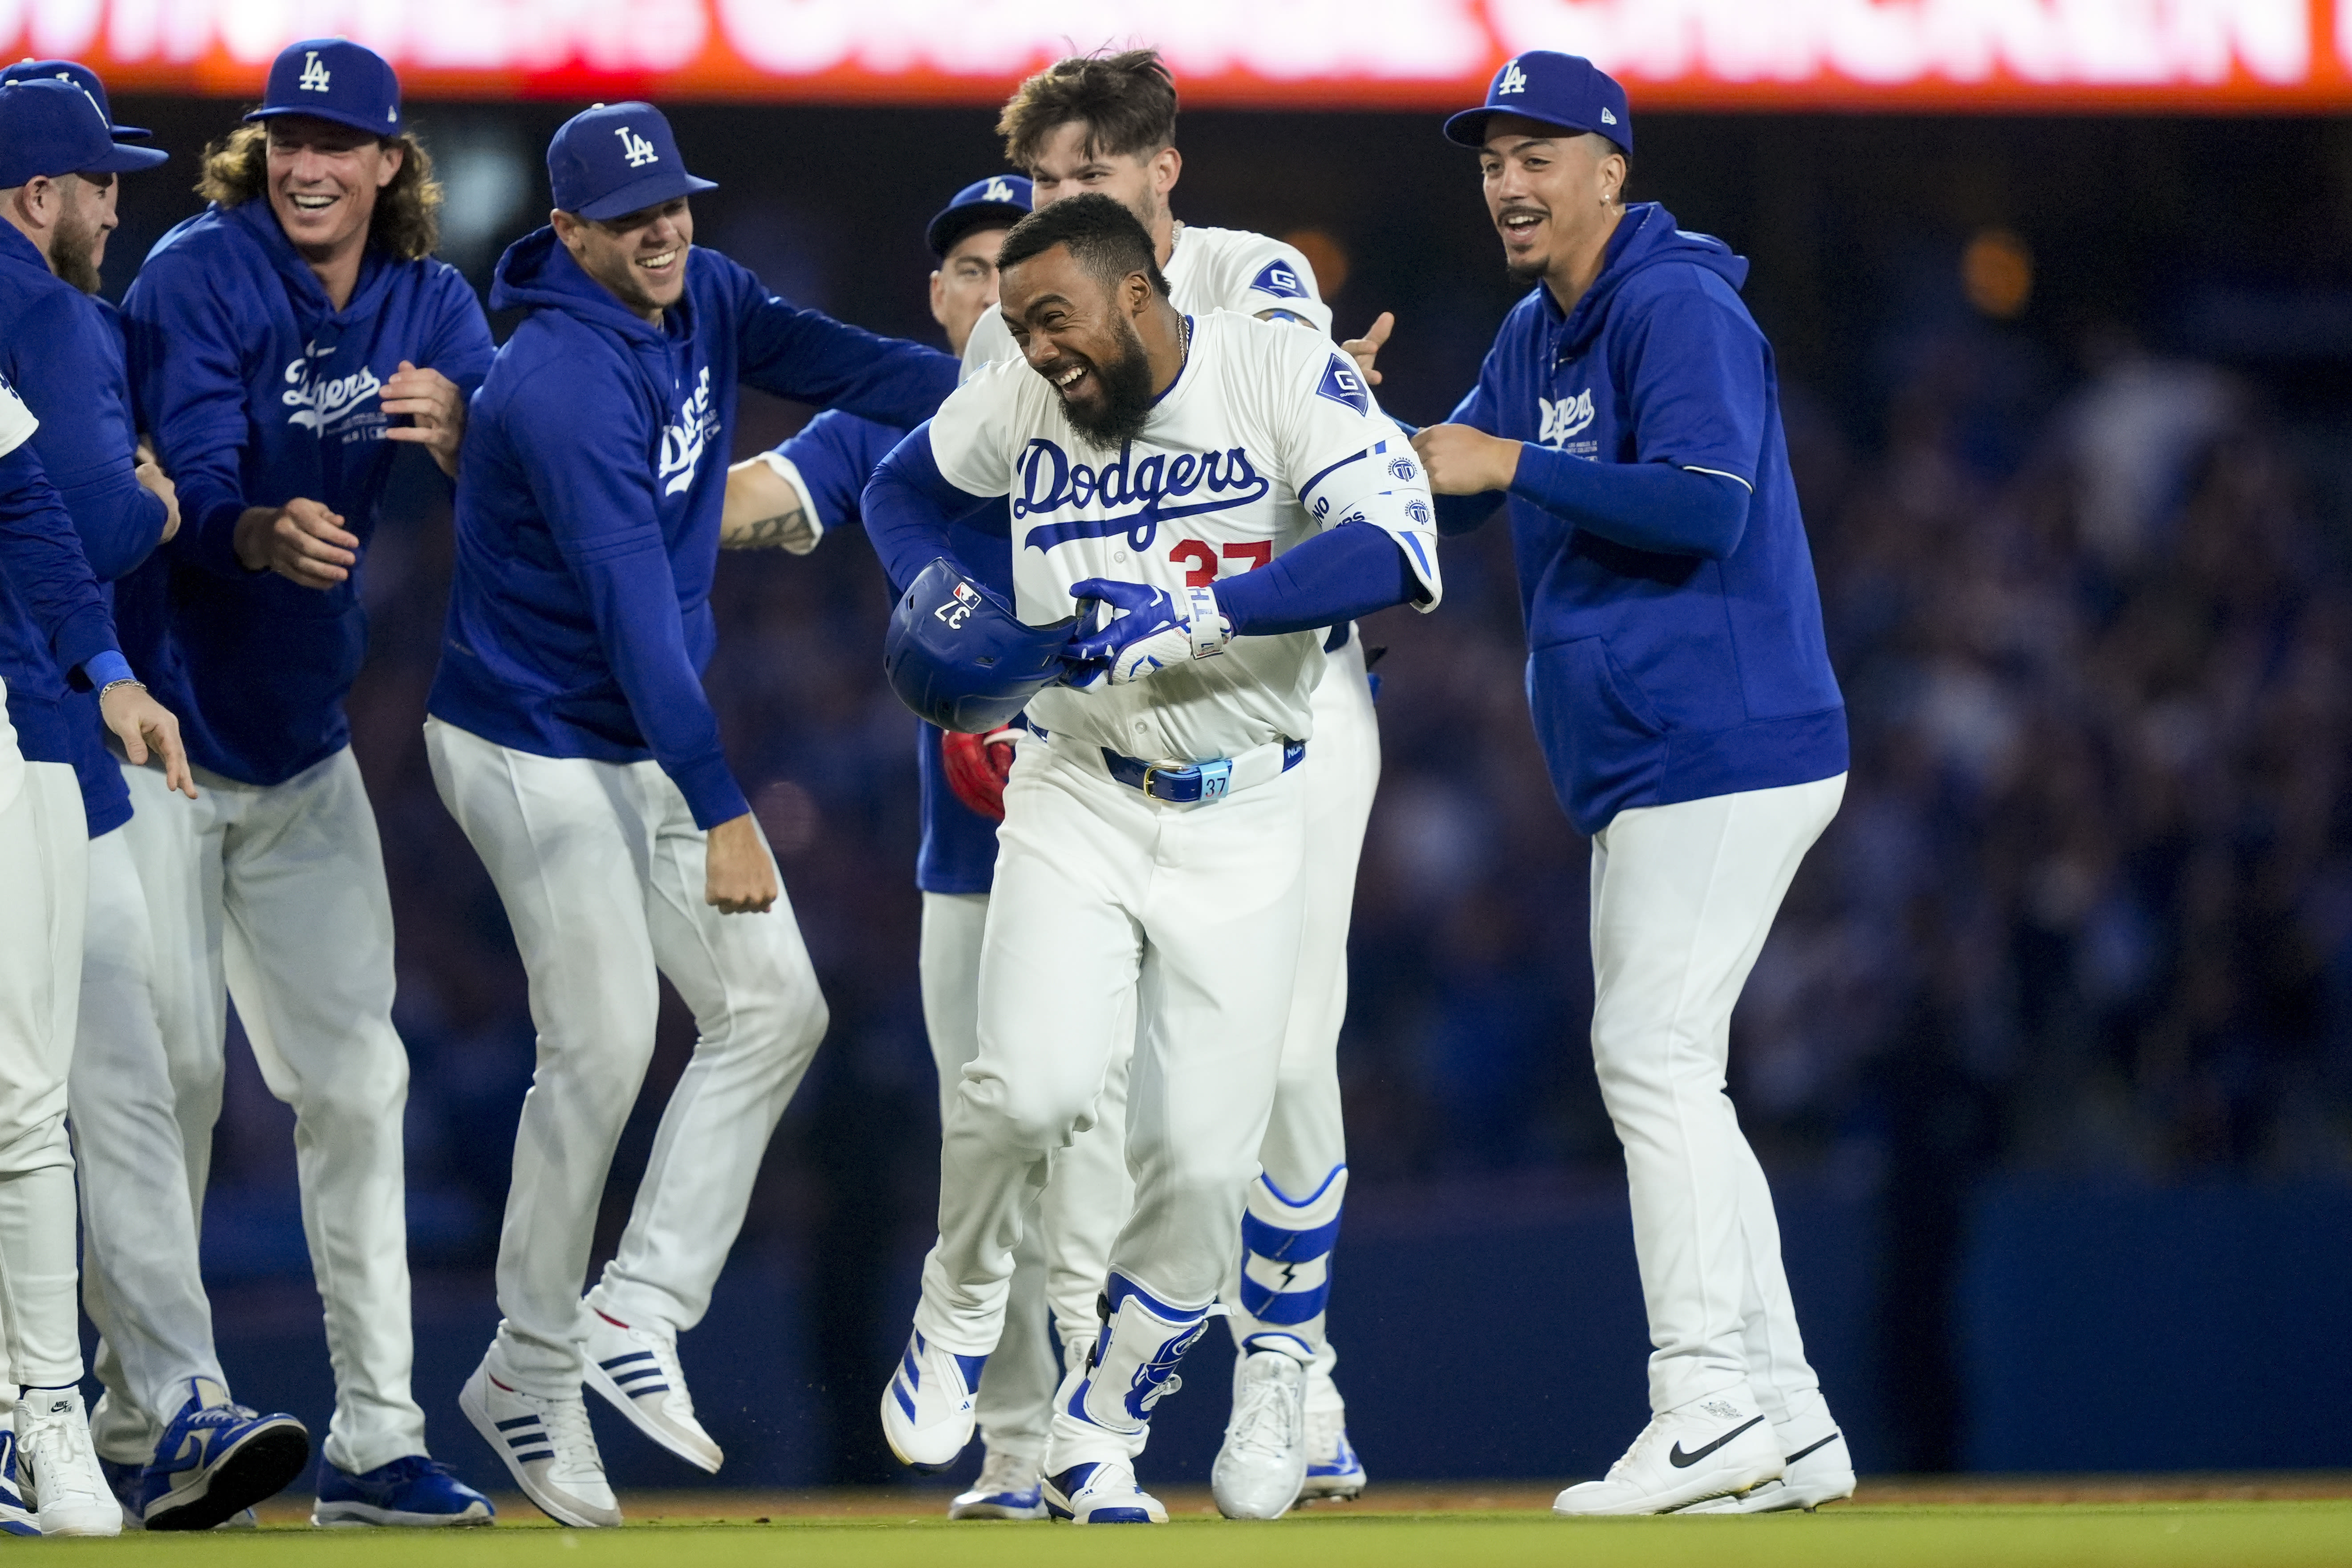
<point x="314" y="75"/>
<point x="1513" y="80"/>
<point x="998" y="191"/>
<point x="635" y="148"/>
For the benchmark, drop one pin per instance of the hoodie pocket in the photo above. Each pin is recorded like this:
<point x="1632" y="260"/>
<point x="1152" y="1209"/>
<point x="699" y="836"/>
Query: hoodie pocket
<point x="1601" y="739"/>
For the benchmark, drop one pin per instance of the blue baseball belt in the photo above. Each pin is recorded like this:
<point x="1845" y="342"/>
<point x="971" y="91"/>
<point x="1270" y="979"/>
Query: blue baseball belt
<point x="1191" y="783"/>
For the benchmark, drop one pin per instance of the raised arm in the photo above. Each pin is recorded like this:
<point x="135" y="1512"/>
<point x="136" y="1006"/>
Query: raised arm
<point x="808" y="356"/>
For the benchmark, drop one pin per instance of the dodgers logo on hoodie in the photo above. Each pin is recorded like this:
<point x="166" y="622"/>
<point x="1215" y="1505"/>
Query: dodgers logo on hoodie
<point x="686" y="437"/>
<point x="323" y="403"/>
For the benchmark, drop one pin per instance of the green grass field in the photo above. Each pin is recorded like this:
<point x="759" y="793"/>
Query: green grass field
<point x="2029" y="1527"/>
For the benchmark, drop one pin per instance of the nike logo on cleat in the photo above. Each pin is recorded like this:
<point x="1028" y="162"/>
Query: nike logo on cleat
<point x="1682" y="1461"/>
<point x="1814" y="1449"/>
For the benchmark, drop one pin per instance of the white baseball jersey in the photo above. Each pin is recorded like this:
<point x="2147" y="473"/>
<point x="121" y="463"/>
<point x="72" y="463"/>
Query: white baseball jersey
<point x="1267" y="435"/>
<point x="1208" y="269"/>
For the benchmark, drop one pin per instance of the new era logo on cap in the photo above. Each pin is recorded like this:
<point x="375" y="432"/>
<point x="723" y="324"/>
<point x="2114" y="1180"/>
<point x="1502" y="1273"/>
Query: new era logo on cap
<point x="1606" y="117"/>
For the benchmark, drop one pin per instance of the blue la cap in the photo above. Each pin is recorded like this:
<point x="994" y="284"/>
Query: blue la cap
<point x="54" y="127"/>
<point x="1566" y="91"/>
<point x="617" y="157"/>
<point x="82" y="76"/>
<point x="978" y="204"/>
<point x="333" y="78"/>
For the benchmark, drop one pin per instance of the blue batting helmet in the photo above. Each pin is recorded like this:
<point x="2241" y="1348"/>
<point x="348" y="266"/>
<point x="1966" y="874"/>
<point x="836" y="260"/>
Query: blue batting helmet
<point x="958" y="656"/>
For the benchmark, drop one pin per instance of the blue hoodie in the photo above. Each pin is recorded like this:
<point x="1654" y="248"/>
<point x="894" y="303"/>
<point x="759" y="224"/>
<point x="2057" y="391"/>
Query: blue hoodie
<point x="836" y="454"/>
<point x="52" y="617"/>
<point x="589" y="503"/>
<point x="63" y="352"/>
<point x="258" y="391"/>
<point x="1658" y="675"/>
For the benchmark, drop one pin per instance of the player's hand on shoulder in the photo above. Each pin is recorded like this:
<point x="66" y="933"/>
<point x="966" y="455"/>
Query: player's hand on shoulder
<point x="739" y="875"/>
<point x="1151" y="629"/>
<point x="1461" y="461"/>
<point x="301" y="541"/>
<point x="437" y="411"/>
<point x="1366" y="349"/>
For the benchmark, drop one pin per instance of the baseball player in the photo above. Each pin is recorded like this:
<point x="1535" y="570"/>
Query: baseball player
<point x="63" y="348"/>
<point x="790" y="497"/>
<point x="283" y="342"/>
<point x="55" y="634"/>
<point x="1107" y="125"/>
<point x="570" y="738"/>
<point x="1682" y="691"/>
<point x="1152" y="851"/>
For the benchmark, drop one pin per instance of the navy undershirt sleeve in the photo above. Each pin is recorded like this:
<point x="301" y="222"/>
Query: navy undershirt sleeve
<point x="1645" y="506"/>
<point x="908" y="507"/>
<point x="1327" y="580"/>
<point x="42" y="560"/>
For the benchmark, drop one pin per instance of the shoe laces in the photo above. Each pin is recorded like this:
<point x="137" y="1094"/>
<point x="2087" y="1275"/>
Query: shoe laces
<point x="1265" y="1411"/>
<point x="569" y="1433"/>
<point x="678" y="1400"/>
<point x="1631" y="1455"/>
<point x="1002" y="1472"/>
<point x="223" y="1415"/>
<point x="63" y="1460"/>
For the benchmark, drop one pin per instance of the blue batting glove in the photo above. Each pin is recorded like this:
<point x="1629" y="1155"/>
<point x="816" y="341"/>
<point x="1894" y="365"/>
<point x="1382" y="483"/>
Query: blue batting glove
<point x="1153" y="629"/>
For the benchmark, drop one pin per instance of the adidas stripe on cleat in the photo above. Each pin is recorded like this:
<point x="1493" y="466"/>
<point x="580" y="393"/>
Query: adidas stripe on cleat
<point x="928" y="1414"/>
<point x="636" y="1368"/>
<point x="546" y="1443"/>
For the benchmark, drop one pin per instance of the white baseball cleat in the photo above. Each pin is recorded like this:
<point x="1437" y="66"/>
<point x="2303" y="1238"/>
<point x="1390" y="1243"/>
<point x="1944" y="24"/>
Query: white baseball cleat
<point x="1102" y="1492"/>
<point x="1007" y="1488"/>
<point x="1262" y="1464"/>
<point x="928" y="1416"/>
<point x="58" y="1465"/>
<point x="1720" y="1445"/>
<point x="547" y="1444"/>
<point x="635" y="1366"/>
<point x="1334" y="1471"/>
<point x="1820" y="1472"/>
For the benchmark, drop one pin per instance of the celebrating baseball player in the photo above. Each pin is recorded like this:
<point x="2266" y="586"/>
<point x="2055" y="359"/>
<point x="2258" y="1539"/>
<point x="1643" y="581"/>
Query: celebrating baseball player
<point x="63" y="352"/>
<point x="1151" y="866"/>
<point x="807" y="487"/>
<point x="1682" y="691"/>
<point x="570" y="738"/>
<point x="1107" y="124"/>
<point x="282" y="343"/>
<point x="55" y="636"/>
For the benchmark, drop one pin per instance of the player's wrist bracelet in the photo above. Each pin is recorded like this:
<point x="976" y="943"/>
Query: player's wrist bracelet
<point x="115" y="685"/>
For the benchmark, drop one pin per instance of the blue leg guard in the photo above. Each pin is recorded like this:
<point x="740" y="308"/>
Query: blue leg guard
<point x="1286" y="1274"/>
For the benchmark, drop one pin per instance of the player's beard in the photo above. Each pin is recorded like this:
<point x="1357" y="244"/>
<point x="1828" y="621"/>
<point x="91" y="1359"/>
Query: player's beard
<point x="71" y="247"/>
<point x="1119" y="416"/>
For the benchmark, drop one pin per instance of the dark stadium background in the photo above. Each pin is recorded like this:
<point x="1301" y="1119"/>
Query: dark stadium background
<point x="2050" y="1056"/>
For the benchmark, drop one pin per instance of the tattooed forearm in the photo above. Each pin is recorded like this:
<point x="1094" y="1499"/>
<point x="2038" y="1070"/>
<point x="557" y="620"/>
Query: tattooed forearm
<point x="782" y="532"/>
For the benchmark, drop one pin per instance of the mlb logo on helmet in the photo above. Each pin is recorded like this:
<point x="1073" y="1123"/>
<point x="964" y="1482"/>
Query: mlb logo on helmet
<point x="1552" y="88"/>
<point x="336" y="80"/>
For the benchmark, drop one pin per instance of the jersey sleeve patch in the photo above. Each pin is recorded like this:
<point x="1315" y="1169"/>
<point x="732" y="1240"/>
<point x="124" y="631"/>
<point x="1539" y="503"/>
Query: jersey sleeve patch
<point x="1343" y="384"/>
<point x="1278" y="279"/>
<point x="16" y="421"/>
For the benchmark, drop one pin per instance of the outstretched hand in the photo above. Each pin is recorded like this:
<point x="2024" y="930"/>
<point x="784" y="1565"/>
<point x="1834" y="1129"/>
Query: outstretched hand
<point x="1366" y="349"/>
<point x="143" y="724"/>
<point x="435" y="408"/>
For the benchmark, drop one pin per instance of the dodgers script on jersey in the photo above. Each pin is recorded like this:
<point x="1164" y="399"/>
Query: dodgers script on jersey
<point x="1208" y="270"/>
<point x="1267" y="435"/>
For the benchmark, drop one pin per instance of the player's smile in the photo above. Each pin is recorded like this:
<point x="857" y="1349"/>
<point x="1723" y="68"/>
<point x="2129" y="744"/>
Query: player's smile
<point x="1522" y="226"/>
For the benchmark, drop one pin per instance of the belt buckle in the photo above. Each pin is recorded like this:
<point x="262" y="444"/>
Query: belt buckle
<point x="1151" y="772"/>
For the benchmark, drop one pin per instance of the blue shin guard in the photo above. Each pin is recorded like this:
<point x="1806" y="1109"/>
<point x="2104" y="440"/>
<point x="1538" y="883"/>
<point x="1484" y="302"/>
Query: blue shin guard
<point x="1285" y="1274"/>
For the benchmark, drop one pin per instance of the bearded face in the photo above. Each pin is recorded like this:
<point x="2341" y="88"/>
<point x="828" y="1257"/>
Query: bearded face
<point x="78" y="244"/>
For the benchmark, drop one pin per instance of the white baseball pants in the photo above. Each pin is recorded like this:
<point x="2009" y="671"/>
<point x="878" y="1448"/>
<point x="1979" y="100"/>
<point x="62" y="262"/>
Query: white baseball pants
<point x="142" y="1121"/>
<point x="44" y="867"/>
<point x="1105" y="899"/>
<point x="601" y="870"/>
<point x="1016" y="1388"/>
<point x="1087" y="1199"/>
<point x="1683" y="897"/>
<point x="273" y="895"/>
